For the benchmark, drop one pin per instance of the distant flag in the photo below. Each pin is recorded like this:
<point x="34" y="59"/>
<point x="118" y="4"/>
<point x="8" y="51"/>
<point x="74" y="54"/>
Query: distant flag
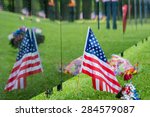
<point x="95" y="65"/>
<point x="125" y="11"/>
<point x="27" y="63"/>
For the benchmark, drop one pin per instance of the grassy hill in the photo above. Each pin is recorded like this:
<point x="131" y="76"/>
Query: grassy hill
<point x="73" y="39"/>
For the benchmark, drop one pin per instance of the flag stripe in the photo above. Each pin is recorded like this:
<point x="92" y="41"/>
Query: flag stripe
<point x="11" y="85"/>
<point x="97" y="84"/>
<point x="101" y="72"/>
<point x="28" y="57"/>
<point x="110" y="84"/>
<point x="25" y="73"/>
<point x="16" y="74"/>
<point x="92" y="58"/>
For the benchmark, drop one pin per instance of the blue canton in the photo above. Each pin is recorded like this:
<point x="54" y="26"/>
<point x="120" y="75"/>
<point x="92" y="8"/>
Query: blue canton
<point x="93" y="47"/>
<point x="27" y="45"/>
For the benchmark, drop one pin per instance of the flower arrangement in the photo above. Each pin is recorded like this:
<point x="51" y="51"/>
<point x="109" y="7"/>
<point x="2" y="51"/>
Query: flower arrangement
<point x="16" y="37"/>
<point x="128" y="92"/>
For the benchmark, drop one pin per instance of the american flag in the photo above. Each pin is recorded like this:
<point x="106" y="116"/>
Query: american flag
<point x="27" y="62"/>
<point x="95" y="65"/>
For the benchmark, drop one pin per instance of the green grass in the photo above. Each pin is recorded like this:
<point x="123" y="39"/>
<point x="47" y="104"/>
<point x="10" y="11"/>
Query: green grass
<point x="81" y="87"/>
<point x="73" y="39"/>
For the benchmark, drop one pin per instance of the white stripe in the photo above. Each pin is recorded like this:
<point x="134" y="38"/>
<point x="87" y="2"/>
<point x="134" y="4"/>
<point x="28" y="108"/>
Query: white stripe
<point x="97" y="82"/>
<point x="22" y="72"/>
<point x="101" y="62"/>
<point x="15" y="85"/>
<point x="23" y="64"/>
<point x="21" y="83"/>
<point x="99" y="74"/>
<point x="99" y="67"/>
<point x="104" y="86"/>
<point x="108" y="89"/>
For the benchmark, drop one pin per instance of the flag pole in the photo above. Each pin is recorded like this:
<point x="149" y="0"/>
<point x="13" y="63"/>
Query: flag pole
<point x="59" y="87"/>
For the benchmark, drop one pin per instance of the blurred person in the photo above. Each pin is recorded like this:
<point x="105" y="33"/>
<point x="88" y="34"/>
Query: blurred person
<point x="71" y="6"/>
<point x="111" y="6"/>
<point x="107" y="7"/>
<point x="114" y="13"/>
<point x="51" y="5"/>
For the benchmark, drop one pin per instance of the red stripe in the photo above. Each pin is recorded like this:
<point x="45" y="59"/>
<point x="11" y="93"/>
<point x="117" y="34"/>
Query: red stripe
<point x="9" y="88"/>
<point x="93" y="82"/>
<point x="23" y="68"/>
<point x="98" y="70"/>
<point x="29" y="73"/>
<point x="24" y="60"/>
<point x="97" y="62"/>
<point x="98" y="77"/>
<point x="101" y="84"/>
<point x="107" y="88"/>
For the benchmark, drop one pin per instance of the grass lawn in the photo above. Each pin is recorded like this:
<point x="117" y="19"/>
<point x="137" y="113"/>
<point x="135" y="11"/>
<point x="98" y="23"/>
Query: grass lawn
<point x="81" y="87"/>
<point x="73" y="39"/>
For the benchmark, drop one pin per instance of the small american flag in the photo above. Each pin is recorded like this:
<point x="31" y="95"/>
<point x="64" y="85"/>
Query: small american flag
<point x="95" y="65"/>
<point x="27" y="62"/>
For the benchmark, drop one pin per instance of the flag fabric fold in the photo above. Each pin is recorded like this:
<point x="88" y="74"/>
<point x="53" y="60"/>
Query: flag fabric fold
<point x="27" y="62"/>
<point x="95" y="65"/>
